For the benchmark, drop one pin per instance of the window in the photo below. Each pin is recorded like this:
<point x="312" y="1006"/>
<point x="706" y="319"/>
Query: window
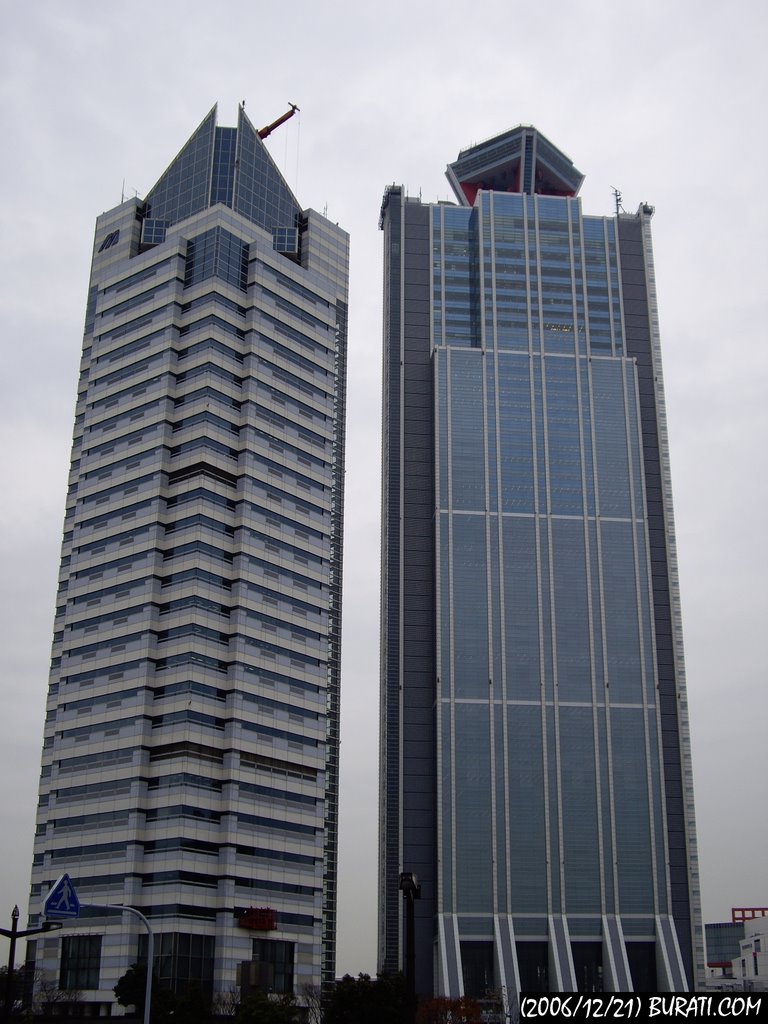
<point x="216" y="253"/>
<point x="286" y="240"/>
<point x="80" y="962"/>
<point x="477" y="968"/>
<point x="180" y="959"/>
<point x="276" y="959"/>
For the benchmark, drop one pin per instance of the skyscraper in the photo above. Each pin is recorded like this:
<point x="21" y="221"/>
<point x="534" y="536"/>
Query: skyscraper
<point x="535" y="752"/>
<point x="190" y="758"/>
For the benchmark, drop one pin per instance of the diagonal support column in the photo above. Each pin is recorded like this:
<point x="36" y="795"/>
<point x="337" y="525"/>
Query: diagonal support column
<point x="616" y="974"/>
<point x="451" y="980"/>
<point x="562" y="975"/>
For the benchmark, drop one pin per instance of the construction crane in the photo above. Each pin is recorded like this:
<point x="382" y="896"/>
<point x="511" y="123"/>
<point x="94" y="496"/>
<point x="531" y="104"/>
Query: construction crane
<point x="264" y="132"/>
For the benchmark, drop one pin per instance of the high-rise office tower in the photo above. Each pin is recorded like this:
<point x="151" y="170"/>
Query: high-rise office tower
<point x="190" y="759"/>
<point x="535" y="752"/>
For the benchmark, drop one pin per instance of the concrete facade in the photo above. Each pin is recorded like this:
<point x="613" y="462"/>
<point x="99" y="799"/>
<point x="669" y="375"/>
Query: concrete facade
<point x="190" y="755"/>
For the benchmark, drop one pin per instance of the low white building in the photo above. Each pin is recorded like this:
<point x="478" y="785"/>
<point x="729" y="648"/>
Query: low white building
<point x="750" y="968"/>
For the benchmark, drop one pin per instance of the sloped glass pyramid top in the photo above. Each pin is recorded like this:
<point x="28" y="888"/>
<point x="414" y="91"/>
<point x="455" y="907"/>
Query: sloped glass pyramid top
<point x="519" y="160"/>
<point x="221" y="165"/>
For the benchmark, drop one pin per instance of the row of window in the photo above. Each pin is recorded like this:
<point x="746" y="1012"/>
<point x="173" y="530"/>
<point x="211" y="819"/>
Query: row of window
<point x="213" y="370"/>
<point x="117" y="819"/>
<point x="151" y="482"/>
<point x="189" y="716"/>
<point x="180" y="959"/>
<point x="123" y="615"/>
<point x="207" y="418"/>
<point x="115" y="698"/>
<point x="118" y="671"/>
<point x="140" y="276"/>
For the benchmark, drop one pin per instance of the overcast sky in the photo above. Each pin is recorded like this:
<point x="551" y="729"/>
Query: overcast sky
<point x="664" y="99"/>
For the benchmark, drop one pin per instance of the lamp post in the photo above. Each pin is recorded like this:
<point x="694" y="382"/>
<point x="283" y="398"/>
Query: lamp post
<point x="9" y="978"/>
<point x="411" y="890"/>
<point x="12" y="934"/>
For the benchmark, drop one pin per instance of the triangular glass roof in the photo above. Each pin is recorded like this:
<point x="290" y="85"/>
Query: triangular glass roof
<point x="223" y="165"/>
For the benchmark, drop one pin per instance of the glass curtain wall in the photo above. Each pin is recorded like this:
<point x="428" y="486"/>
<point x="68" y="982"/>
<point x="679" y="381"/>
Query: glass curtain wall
<point x="549" y="790"/>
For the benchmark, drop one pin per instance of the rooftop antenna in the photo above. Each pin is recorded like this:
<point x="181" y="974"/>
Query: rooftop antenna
<point x="122" y="192"/>
<point x="617" y="199"/>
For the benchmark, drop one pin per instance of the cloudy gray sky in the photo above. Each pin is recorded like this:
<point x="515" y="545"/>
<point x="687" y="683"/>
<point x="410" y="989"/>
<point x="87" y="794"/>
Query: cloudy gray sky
<point x="665" y="99"/>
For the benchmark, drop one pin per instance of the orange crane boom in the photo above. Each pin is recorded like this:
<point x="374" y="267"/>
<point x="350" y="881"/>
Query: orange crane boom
<point x="264" y="132"/>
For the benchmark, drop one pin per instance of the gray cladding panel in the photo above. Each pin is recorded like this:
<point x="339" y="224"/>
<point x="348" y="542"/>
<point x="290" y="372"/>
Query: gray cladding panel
<point x="389" y="901"/>
<point x="409" y="472"/>
<point x="418" y="589"/>
<point x="638" y="342"/>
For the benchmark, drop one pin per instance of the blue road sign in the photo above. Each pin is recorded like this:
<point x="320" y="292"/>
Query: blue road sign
<point x="62" y="900"/>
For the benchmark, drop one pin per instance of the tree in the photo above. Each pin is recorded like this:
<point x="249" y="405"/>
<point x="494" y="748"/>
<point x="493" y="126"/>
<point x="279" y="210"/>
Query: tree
<point x="225" y="1004"/>
<point x="193" y="1005"/>
<point x="259" y="1008"/>
<point x="441" y="1010"/>
<point x="354" y="1000"/>
<point x="131" y="989"/>
<point x="50" y="999"/>
<point x="16" y="987"/>
<point x="312" y="998"/>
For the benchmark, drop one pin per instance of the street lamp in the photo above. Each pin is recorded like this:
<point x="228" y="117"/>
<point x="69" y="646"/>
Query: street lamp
<point x="12" y="934"/>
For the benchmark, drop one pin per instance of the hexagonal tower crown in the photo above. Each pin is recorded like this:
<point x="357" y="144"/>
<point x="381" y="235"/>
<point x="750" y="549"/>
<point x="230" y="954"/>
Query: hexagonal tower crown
<point x="519" y="160"/>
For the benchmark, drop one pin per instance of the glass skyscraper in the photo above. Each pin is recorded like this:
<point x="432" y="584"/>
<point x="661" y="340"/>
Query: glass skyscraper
<point x="190" y="756"/>
<point x="535" y="769"/>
